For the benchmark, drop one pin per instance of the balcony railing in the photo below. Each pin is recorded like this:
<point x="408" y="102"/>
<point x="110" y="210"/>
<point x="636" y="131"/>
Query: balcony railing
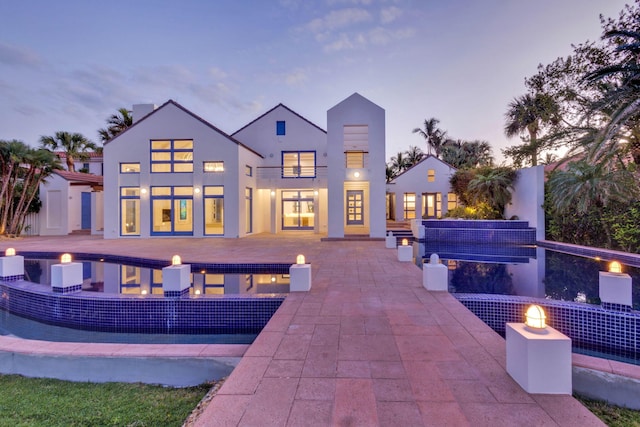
<point x="291" y="172"/>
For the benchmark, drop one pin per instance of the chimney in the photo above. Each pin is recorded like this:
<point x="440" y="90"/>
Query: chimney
<point x="142" y="110"/>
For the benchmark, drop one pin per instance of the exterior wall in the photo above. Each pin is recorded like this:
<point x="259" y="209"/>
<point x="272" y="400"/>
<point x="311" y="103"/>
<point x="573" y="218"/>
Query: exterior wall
<point x="528" y="198"/>
<point x="300" y="135"/>
<point x="356" y="110"/>
<point x="61" y="206"/>
<point x="414" y="180"/>
<point x="97" y="212"/>
<point x="172" y="122"/>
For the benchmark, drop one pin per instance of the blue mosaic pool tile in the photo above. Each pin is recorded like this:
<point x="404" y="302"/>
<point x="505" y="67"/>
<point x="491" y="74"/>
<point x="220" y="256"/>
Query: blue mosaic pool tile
<point x="12" y="278"/>
<point x="176" y="294"/>
<point x="590" y="327"/>
<point x="66" y="289"/>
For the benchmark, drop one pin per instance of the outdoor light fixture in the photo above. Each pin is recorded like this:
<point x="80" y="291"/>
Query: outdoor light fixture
<point x="535" y="318"/>
<point x="615" y="267"/>
<point x="300" y="259"/>
<point x="176" y="260"/>
<point x="273" y="279"/>
<point x="196" y="190"/>
<point x="197" y="292"/>
<point x="10" y="252"/>
<point x="143" y="292"/>
<point x="65" y="259"/>
<point x="273" y="193"/>
<point x="143" y="190"/>
<point x="315" y="193"/>
<point x="405" y="242"/>
<point x="356" y="174"/>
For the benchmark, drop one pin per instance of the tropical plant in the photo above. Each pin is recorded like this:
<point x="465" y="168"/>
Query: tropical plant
<point x="23" y="169"/>
<point x="74" y="145"/>
<point x="117" y="123"/>
<point x="493" y="186"/>
<point x="530" y="113"/>
<point x="585" y="186"/>
<point x="467" y="154"/>
<point x="414" y="155"/>
<point x="433" y="136"/>
<point x="399" y="163"/>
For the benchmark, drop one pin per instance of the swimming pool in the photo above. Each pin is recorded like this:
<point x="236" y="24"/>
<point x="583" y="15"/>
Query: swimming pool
<point x="497" y="283"/>
<point x="217" y="309"/>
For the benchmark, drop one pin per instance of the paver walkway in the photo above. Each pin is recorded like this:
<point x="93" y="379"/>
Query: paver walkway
<point x="367" y="346"/>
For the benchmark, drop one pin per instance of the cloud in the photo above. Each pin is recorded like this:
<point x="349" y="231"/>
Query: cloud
<point x="296" y="77"/>
<point x="338" y="19"/>
<point x="217" y="73"/>
<point x="390" y="14"/>
<point x="13" y="55"/>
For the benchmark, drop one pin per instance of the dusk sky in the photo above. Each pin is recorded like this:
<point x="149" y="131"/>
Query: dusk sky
<point x="68" y="65"/>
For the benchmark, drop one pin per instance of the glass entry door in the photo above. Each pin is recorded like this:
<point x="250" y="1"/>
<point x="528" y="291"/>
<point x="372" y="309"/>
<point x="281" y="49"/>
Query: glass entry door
<point x="298" y="210"/>
<point x="355" y="207"/>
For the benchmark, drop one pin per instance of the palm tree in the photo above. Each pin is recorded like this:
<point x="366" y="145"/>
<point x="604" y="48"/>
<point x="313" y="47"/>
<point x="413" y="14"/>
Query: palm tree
<point x="530" y="113"/>
<point x="434" y="136"/>
<point x="414" y="155"/>
<point x="75" y="146"/>
<point x="467" y="154"/>
<point x="584" y="186"/>
<point x="621" y="100"/>
<point x="117" y="123"/>
<point x="493" y="186"/>
<point x="399" y="163"/>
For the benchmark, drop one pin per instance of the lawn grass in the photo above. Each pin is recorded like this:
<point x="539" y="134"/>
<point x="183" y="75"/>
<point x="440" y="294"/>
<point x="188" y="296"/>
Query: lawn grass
<point x="612" y="416"/>
<point x="48" y="402"/>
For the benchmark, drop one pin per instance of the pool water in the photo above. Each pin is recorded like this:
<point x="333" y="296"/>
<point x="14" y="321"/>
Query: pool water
<point x="127" y="279"/>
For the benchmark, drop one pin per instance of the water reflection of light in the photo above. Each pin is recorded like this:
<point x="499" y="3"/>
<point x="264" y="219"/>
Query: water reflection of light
<point x="581" y="297"/>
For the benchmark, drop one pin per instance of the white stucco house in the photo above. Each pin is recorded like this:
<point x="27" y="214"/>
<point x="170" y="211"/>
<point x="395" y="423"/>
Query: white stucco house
<point x="71" y="202"/>
<point x="422" y="191"/>
<point x="173" y="173"/>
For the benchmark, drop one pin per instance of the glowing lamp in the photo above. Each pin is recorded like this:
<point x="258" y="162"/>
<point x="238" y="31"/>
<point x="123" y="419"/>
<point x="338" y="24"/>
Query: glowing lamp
<point x="315" y="193"/>
<point x="273" y="193"/>
<point x="196" y="190"/>
<point x="615" y="267"/>
<point x="65" y="259"/>
<point x="273" y="279"/>
<point x="197" y="291"/>
<point x="176" y="260"/>
<point x="10" y="252"/>
<point x="143" y="191"/>
<point x="405" y="242"/>
<point x="356" y="174"/>
<point x="143" y="292"/>
<point x="300" y="259"/>
<point x="535" y="318"/>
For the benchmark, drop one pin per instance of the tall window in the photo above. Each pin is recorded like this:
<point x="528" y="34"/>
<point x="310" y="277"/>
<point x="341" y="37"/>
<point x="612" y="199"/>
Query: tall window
<point x="298" y="164"/>
<point x="354" y="159"/>
<point x="452" y="201"/>
<point x="409" y="205"/>
<point x="172" y="210"/>
<point x="248" y="202"/>
<point x="298" y="210"/>
<point x="213" y="166"/>
<point x="213" y="210"/>
<point x="130" y="211"/>
<point x="173" y="155"/>
<point x="431" y="175"/>
<point x="280" y="128"/>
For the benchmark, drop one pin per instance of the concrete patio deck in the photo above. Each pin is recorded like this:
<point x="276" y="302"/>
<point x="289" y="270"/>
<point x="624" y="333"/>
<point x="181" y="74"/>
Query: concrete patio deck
<point x="367" y="346"/>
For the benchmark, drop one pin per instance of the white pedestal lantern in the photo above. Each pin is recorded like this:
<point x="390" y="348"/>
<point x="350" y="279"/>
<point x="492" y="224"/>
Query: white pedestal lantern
<point x="390" y="241"/>
<point x="538" y="356"/>
<point x="615" y="286"/>
<point x="66" y="277"/>
<point x="11" y="266"/>
<point x="405" y="252"/>
<point x="435" y="276"/>
<point x="300" y="276"/>
<point x="176" y="278"/>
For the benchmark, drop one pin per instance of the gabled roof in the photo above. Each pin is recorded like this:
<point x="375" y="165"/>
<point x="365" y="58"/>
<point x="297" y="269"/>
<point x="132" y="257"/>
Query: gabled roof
<point x="286" y="108"/>
<point x="427" y="157"/>
<point x="79" y="177"/>
<point x="195" y="116"/>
